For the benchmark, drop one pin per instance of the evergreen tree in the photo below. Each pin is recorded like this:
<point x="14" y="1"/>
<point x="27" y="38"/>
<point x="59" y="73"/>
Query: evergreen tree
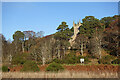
<point x="62" y="37"/>
<point x="93" y="29"/>
<point x="18" y="37"/>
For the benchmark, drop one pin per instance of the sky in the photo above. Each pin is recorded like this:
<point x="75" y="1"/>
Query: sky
<point x="47" y="16"/>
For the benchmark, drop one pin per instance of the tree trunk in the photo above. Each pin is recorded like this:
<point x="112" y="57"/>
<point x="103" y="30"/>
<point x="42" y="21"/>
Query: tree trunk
<point x="16" y="47"/>
<point x="117" y="48"/>
<point x="99" y="49"/>
<point x="43" y="61"/>
<point x="118" y="53"/>
<point x="58" y="51"/>
<point x="28" y="46"/>
<point x="64" y="52"/>
<point x="23" y="47"/>
<point x="35" y="57"/>
<point x="98" y="40"/>
<point x="58" y="54"/>
<point x="52" y="53"/>
<point x="82" y="48"/>
<point x="10" y="59"/>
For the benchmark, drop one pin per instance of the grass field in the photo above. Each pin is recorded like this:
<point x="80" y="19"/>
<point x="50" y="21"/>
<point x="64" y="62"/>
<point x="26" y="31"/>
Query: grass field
<point x="71" y="71"/>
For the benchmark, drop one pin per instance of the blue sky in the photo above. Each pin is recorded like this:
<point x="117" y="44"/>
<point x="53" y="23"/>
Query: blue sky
<point x="46" y="16"/>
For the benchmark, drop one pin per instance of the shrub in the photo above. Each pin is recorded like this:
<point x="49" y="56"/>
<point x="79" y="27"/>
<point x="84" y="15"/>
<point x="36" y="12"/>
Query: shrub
<point x="5" y="69"/>
<point x="72" y="59"/>
<point x="54" y="67"/>
<point x="53" y="60"/>
<point x="57" y="61"/>
<point x="110" y="57"/>
<point x="106" y="59"/>
<point x="39" y="62"/>
<point x="30" y="66"/>
<point x="116" y="61"/>
<point x="20" y="58"/>
<point x="91" y="56"/>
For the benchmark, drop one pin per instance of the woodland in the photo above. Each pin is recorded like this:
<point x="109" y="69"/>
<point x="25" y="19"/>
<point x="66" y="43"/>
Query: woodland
<point x="98" y="42"/>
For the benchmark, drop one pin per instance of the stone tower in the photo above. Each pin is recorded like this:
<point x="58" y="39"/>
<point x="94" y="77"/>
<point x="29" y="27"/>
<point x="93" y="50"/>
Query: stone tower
<point x="76" y="31"/>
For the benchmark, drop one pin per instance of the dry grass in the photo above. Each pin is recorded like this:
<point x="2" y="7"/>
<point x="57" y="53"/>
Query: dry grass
<point x="65" y="74"/>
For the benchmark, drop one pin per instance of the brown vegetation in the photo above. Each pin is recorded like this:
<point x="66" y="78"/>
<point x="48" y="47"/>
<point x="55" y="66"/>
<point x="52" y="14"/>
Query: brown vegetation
<point x="78" y="68"/>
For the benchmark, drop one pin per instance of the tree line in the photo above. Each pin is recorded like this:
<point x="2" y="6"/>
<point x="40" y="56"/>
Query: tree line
<point x="94" y="36"/>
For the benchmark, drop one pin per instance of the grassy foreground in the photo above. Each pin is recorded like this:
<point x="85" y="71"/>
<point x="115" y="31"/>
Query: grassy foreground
<point x="65" y="74"/>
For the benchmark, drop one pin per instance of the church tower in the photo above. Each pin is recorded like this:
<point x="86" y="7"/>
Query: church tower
<point x="76" y="31"/>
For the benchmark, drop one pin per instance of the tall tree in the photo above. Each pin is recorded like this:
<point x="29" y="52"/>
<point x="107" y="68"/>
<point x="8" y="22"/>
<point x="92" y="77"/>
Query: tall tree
<point x="44" y="49"/>
<point x="111" y="36"/>
<point x="62" y="37"/>
<point x="18" y="37"/>
<point x="63" y="26"/>
<point x="40" y="34"/>
<point x="29" y="34"/>
<point x="29" y="38"/>
<point x="107" y="20"/>
<point x="81" y="39"/>
<point x="3" y="46"/>
<point x="92" y="28"/>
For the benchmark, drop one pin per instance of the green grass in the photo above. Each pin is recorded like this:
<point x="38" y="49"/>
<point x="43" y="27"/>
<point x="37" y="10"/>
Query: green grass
<point x="115" y="64"/>
<point x="5" y="68"/>
<point x="72" y="64"/>
<point x="89" y="64"/>
<point x="79" y="64"/>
